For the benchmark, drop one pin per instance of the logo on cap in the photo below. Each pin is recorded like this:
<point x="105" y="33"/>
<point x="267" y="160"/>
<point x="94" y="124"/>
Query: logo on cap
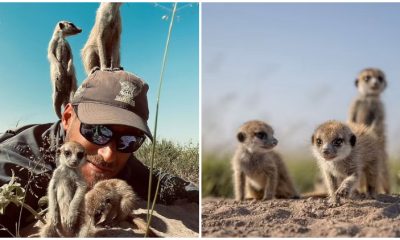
<point x="128" y="92"/>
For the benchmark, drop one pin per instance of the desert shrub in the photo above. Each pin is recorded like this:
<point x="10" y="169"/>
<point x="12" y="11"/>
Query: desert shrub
<point x="174" y="158"/>
<point x="216" y="176"/>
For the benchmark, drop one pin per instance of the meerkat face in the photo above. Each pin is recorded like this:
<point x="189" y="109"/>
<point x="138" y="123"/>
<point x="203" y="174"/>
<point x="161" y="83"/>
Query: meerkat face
<point x="332" y="141"/>
<point x="72" y="154"/>
<point x="68" y="28"/>
<point x="257" y="135"/>
<point x="371" y="81"/>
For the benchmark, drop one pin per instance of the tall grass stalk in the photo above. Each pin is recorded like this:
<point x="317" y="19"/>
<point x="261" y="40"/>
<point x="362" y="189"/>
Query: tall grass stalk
<point x="155" y="125"/>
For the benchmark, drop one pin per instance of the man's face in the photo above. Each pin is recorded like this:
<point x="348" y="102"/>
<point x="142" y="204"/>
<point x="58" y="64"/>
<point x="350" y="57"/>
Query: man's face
<point x="103" y="162"/>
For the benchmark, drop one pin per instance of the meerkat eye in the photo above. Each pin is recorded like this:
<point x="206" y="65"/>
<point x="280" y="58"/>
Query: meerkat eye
<point x="338" y="142"/>
<point x="80" y="155"/>
<point x="261" y="135"/>
<point x="319" y="142"/>
<point x="67" y="153"/>
<point x="380" y="79"/>
<point x="367" y="78"/>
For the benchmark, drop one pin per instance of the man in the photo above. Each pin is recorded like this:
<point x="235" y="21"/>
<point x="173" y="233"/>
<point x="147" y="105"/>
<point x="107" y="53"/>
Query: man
<point x="108" y="116"/>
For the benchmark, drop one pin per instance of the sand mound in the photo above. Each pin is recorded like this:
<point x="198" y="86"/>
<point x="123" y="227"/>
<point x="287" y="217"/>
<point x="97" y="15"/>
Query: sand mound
<point x="309" y="217"/>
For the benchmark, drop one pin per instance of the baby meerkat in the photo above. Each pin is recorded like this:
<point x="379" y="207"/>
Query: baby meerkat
<point x="66" y="193"/>
<point x="368" y="109"/>
<point x="344" y="153"/>
<point x="259" y="172"/>
<point x="108" y="204"/>
<point x="102" y="47"/>
<point x="62" y="71"/>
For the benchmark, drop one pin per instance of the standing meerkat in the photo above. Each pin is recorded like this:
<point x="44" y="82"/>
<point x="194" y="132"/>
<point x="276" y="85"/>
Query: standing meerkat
<point x="344" y="153"/>
<point x="102" y="47"/>
<point x="259" y="172"/>
<point x="108" y="204"/>
<point x="66" y="193"/>
<point x="368" y="109"/>
<point x="62" y="71"/>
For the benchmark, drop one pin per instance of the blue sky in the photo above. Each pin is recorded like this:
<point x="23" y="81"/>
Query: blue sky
<point x="26" y="29"/>
<point x="293" y="65"/>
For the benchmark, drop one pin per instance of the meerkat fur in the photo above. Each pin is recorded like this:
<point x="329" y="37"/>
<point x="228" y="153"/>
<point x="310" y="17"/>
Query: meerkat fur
<point x="368" y="109"/>
<point x="108" y="204"/>
<point x="259" y="172"/>
<point x="62" y="71"/>
<point x="344" y="153"/>
<point x="102" y="49"/>
<point x="66" y="193"/>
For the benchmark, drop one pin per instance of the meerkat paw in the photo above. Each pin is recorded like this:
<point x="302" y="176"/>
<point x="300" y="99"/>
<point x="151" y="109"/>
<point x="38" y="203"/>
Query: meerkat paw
<point x="94" y="69"/>
<point x="334" y="202"/>
<point x="267" y="197"/>
<point x="118" y="69"/>
<point x="342" y="192"/>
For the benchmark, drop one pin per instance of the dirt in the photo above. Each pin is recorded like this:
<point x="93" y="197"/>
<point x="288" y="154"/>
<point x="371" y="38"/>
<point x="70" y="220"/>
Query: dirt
<point x="311" y="217"/>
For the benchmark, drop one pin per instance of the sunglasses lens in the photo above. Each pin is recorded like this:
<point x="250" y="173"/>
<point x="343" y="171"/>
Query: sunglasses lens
<point x="128" y="144"/>
<point x="97" y="134"/>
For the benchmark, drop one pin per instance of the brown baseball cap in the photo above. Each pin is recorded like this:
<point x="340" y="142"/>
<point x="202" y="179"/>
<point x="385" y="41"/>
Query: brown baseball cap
<point x="113" y="97"/>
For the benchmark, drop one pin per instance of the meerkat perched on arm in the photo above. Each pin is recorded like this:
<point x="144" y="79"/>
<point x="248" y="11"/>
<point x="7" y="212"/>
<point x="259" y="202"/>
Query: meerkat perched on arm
<point x="102" y="47"/>
<point x="368" y="109"/>
<point x="66" y="193"/>
<point x="344" y="153"/>
<point x="62" y="72"/>
<point x="259" y="172"/>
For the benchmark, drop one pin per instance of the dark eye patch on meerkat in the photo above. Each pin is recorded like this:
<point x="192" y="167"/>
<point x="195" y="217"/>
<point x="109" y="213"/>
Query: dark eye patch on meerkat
<point x="261" y="135"/>
<point x="319" y="141"/>
<point x="367" y="78"/>
<point x="80" y="155"/>
<point x="337" y="142"/>
<point x="67" y="153"/>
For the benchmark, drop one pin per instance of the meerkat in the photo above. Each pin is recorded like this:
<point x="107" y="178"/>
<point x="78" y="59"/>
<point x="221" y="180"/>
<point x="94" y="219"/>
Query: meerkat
<point x="108" y="204"/>
<point x="368" y="109"/>
<point x="344" y="153"/>
<point x="62" y="71"/>
<point x="102" y="47"/>
<point x="259" y="172"/>
<point x="66" y="193"/>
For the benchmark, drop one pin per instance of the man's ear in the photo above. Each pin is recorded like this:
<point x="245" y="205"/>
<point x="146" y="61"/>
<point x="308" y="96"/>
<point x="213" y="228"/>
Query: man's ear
<point x="67" y="116"/>
<point x="241" y="137"/>
<point x="353" y="140"/>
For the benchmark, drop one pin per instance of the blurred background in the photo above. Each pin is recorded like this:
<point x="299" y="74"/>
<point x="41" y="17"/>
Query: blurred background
<point x="292" y="65"/>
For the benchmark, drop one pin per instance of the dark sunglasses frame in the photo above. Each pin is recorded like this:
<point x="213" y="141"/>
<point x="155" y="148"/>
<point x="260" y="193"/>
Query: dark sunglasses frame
<point x="93" y="132"/>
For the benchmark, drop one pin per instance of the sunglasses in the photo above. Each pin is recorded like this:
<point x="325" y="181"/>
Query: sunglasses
<point x="101" y="135"/>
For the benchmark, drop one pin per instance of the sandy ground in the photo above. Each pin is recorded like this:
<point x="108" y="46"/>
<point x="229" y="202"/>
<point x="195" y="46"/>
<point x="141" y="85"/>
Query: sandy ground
<point x="309" y="217"/>
<point x="178" y="220"/>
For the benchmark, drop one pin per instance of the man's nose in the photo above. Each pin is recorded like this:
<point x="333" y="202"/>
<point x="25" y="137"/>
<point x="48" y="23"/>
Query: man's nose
<point x="108" y="152"/>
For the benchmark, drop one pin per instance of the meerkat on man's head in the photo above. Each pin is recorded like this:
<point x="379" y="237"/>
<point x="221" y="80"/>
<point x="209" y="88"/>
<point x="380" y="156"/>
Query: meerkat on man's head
<point x="102" y="47"/>
<point x="66" y="193"/>
<point x="62" y="72"/>
<point x="344" y="153"/>
<point x="259" y="172"/>
<point x="368" y="109"/>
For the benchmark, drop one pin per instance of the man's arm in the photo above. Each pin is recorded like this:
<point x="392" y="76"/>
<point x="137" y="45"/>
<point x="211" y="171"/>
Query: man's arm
<point x="171" y="187"/>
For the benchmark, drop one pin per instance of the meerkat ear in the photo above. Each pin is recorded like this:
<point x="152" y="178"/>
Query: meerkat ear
<point x="61" y="25"/>
<point x="356" y="82"/>
<point x="241" y="137"/>
<point x="353" y="140"/>
<point x="312" y="139"/>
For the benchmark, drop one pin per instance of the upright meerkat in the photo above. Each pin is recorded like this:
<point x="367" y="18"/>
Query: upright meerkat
<point x="344" y="153"/>
<point x="102" y="47"/>
<point x="66" y="193"/>
<point x="259" y="172"/>
<point x="368" y="109"/>
<point x="62" y="71"/>
<point x="108" y="204"/>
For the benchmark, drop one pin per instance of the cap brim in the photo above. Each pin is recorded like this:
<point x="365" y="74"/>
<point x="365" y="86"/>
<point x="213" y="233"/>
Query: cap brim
<point x="95" y="113"/>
